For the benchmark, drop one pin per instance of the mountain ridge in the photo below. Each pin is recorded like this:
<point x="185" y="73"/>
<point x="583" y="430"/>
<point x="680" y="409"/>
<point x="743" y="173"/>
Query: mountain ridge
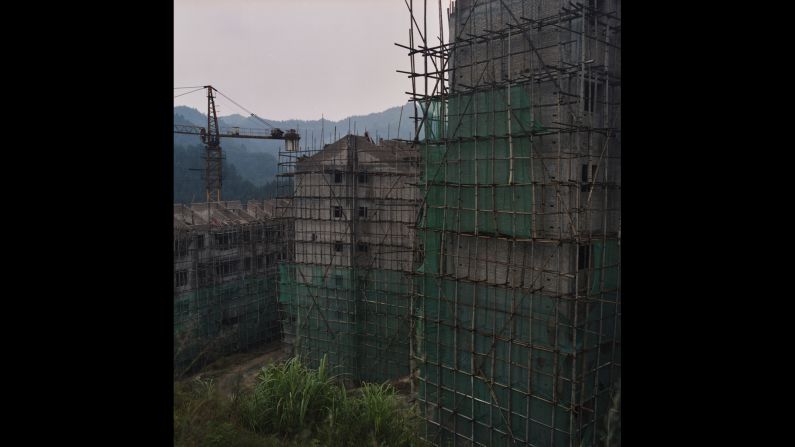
<point x="383" y="124"/>
<point x="256" y="161"/>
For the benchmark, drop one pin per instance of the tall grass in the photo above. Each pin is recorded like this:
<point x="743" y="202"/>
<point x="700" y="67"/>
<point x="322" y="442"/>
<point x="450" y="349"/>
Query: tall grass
<point x="374" y="415"/>
<point x="290" y="398"/>
<point x="294" y="405"/>
<point x="202" y="418"/>
<point x="613" y="430"/>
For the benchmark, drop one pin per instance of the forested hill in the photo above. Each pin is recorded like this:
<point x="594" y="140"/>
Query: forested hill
<point x="380" y="125"/>
<point x="189" y="181"/>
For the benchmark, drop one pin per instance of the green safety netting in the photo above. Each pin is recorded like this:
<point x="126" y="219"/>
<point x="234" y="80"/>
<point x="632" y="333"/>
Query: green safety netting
<point x="222" y="319"/>
<point x="357" y="318"/>
<point x="469" y="184"/>
<point x="499" y="364"/>
<point x="492" y="354"/>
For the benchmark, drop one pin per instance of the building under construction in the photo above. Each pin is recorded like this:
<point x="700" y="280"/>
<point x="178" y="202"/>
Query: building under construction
<point x="517" y="300"/>
<point x="225" y="258"/>
<point x="482" y="258"/>
<point x="345" y="284"/>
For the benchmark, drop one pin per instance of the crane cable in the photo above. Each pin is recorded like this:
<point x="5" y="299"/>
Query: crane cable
<point x="230" y="99"/>
<point x="247" y="110"/>
<point x="183" y="94"/>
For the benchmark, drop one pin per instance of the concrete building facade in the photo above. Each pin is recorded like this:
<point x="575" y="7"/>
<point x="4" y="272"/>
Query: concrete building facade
<point x="346" y="286"/>
<point x="517" y="303"/>
<point x="225" y="258"/>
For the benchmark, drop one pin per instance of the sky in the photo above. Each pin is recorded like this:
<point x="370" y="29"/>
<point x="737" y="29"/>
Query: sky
<point x="294" y="59"/>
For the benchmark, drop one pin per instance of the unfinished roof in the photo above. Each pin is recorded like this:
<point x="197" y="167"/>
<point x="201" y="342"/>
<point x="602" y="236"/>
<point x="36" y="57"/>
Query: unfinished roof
<point x="222" y="213"/>
<point x="386" y="152"/>
<point x="264" y="209"/>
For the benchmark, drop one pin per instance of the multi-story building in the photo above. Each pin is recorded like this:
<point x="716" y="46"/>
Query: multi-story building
<point x="225" y="258"/>
<point x="346" y="284"/>
<point x="518" y="297"/>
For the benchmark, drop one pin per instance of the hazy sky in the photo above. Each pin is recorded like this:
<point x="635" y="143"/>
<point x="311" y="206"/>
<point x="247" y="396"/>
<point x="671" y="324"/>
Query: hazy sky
<point x="285" y="59"/>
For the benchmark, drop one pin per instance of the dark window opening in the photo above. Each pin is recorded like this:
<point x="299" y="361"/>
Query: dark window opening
<point x="337" y="177"/>
<point x="203" y="277"/>
<point x="584" y="184"/>
<point x="182" y="278"/>
<point x="362" y="177"/>
<point x="361" y="247"/>
<point x="363" y="212"/>
<point x="314" y="237"/>
<point x="181" y="248"/>
<point x="247" y="263"/>
<point x="592" y="95"/>
<point x="338" y="281"/>
<point x="337" y="211"/>
<point x="586" y="96"/>
<point x="200" y="241"/>
<point x="338" y="246"/>
<point x="260" y="262"/>
<point x="583" y="257"/>
<point x="270" y="259"/>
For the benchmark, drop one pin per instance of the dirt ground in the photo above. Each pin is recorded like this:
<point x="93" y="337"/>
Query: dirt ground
<point x="239" y="371"/>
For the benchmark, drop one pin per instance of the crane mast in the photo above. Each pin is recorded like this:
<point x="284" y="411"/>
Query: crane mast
<point x="211" y="137"/>
<point x="213" y="154"/>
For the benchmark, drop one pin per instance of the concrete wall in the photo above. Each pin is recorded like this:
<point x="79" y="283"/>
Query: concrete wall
<point x="389" y="196"/>
<point x="564" y="211"/>
<point x="255" y="239"/>
<point x="562" y="331"/>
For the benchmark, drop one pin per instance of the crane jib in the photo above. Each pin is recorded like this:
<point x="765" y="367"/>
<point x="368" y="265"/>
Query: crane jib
<point x="239" y="132"/>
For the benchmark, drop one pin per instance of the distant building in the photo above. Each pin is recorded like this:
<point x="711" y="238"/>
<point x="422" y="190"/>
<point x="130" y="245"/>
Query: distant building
<point x="225" y="258"/>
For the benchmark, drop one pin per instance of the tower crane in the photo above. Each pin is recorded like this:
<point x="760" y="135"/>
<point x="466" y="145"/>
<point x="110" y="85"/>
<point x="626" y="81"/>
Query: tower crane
<point x="211" y="137"/>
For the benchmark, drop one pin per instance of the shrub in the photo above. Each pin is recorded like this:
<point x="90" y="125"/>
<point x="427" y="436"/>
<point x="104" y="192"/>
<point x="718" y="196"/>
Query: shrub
<point x="290" y="399"/>
<point x="373" y="416"/>
<point x="292" y="405"/>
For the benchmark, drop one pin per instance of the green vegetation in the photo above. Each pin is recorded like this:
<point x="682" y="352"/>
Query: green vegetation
<point x="289" y="398"/>
<point x="612" y="437"/>
<point x="189" y="184"/>
<point x="292" y="405"/>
